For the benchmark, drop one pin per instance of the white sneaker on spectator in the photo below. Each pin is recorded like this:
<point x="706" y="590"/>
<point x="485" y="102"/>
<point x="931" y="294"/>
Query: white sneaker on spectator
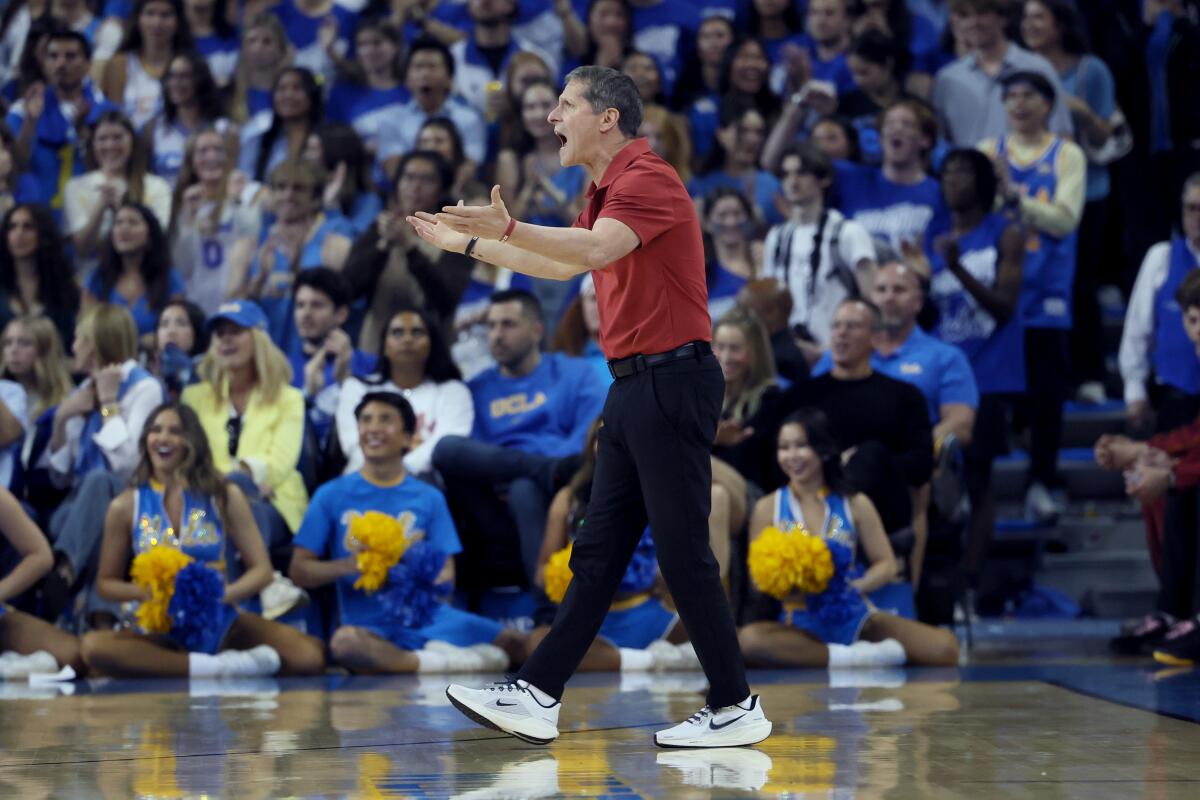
<point x="1040" y="505"/>
<point x="1092" y="393"/>
<point x="15" y="666"/>
<point x="732" y="726"/>
<point x="509" y="707"/>
<point x="737" y="768"/>
<point x="282" y="596"/>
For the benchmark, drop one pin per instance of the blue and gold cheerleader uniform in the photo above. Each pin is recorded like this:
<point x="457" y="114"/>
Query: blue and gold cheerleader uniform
<point x="838" y="526"/>
<point x="637" y="618"/>
<point x="201" y="536"/>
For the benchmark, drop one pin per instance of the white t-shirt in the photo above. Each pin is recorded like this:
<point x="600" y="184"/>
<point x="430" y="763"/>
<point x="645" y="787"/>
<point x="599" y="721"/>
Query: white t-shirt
<point x="202" y="259"/>
<point x="788" y="256"/>
<point x="442" y="409"/>
<point x="81" y="196"/>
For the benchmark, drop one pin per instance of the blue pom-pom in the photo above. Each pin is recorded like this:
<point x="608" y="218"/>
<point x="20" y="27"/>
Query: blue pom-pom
<point x="196" y="605"/>
<point x="643" y="567"/>
<point x="411" y="594"/>
<point x="842" y="554"/>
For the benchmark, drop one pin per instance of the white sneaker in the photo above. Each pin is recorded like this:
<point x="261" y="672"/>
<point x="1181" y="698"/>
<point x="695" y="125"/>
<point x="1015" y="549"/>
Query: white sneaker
<point x="509" y="707"/>
<point x="1092" y="393"/>
<point x="15" y="666"/>
<point x="735" y="768"/>
<point x="1040" y="505"/>
<point x="282" y="596"/>
<point x="731" y="726"/>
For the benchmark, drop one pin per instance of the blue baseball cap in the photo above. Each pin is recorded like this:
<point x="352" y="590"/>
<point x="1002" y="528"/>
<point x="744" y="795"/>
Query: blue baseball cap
<point x="245" y="313"/>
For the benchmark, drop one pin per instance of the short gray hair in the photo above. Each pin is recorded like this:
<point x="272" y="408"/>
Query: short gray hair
<point x="607" y="88"/>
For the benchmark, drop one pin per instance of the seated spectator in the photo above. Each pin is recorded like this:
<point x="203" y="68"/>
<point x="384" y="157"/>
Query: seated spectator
<point x="23" y="46"/>
<point x="699" y="84"/>
<point x="639" y="632"/>
<point x="503" y="106"/>
<point x="321" y="32"/>
<point x="216" y="39"/>
<point x="35" y="275"/>
<point x="968" y="93"/>
<point x="176" y="487"/>
<point x="191" y="102"/>
<point x="732" y="248"/>
<point x="470" y="346"/>
<point x="528" y="162"/>
<point x="373" y="89"/>
<point x="733" y="162"/>
<point x="821" y="53"/>
<point x="531" y="411"/>
<point x="898" y="201"/>
<point x="350" y="193"/>
<point x="253" y="417"/>
<point x="215" y="227"/>
<point x="874" y="60"/>
<point x="1153" y="339"/>
<point x="607" y="39"/>
<point x="578" y="331"/>
<point x="1042" y="177"/>
<point x="180" y="341"/>
<point x="322" y="355"/>
<point x="439" y="135"/>
<point x="46" y="140"/>
<point x="20" y="633"/>
<point x="644" y="71"/>
<point x="93" y="448"/>
<point x="135" y="268"/>
<point x="882" y="423"/>
<point x="268" y="140"/>
<point x="819" y="255"/>
<point x="90" y="201"/>
<point x="369" y="639"/>
<point x="1163" y="474"/>
<point x="771" y="302"/>
<point x="918" y="37"/>
<point x="414" y="361"/>
<point x="752" y="396"/>
<point x="975" y="282"/>
<point x="668" y="136"/>
<point x="301" y="238"/>
<point x="389" y="265"/>
<point x="14" y="424"/>
<point x="744" y="70"/>
<point x="132" y="78"/>
<point x="821" y="498"/>
<point x="16" y="185"/>
<point x="428" y="76"/>
<point x="480" y="57"/>
<point x="263" y="55"/>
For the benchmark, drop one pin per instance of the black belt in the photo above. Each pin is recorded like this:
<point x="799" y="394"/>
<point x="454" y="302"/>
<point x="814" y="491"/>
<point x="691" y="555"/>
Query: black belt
<point x="624" y="367"/>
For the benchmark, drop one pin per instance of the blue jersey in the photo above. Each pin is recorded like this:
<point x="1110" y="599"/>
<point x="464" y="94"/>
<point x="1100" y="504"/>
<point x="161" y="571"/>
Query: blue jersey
<point x="276" y="300"/>
<point x="420" y="507"/>
<point x="1175" y="362"/>
<point x="547" y="411"/>
<point x="1049" y="260"/>
<point x="145" y="317"/>
<point x="996" y="352"/>
<point x="890" y="211"/>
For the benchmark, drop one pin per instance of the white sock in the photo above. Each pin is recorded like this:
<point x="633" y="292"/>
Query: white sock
<point x="258" y="661"/>
<point x="840" y="656"/>
<point x="635" y="660"/>
<point x="542" y="698"/>
<point x="202" y="665"/>
<point x="494" y="657"/>
<point x="687" y="651"/>
<point x="430" y="661"/>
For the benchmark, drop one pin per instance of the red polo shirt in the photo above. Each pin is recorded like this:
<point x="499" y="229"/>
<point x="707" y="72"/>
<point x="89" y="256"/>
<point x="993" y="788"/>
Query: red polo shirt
<point x="656" y="298"/>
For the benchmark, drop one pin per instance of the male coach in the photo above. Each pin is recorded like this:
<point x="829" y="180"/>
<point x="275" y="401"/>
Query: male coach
<point x="640" y="236"/>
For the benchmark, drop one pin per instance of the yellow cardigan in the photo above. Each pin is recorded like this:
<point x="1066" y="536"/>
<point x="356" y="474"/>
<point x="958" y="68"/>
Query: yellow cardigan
<point x="270" y="442"/>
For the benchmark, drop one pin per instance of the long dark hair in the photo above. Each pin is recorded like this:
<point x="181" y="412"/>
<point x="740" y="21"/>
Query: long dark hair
<point x="56" y="283"/>
<point x="309" y="83"/>
<point x="439" y="367"/>
<point x="1072" y="35"/>
<point x="29" y="68"/>
<point x="341" y="144"/>
<point x="354" y="72"/>
<point x="180" y="42"/>
<point x="198" y="472"/>
<point x="690" y="84"/>
<point x="710" y="249"/>
<point x="820" y="436"/>
<point x="156" y="261"/>
<point x="589" y="54"/>
<point x="209" y="99"/>
<point x="765" y="100"/>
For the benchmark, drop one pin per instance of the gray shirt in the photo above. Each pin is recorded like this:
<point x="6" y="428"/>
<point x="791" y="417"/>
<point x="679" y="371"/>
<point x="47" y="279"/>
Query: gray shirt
<point x="970" y="103"/>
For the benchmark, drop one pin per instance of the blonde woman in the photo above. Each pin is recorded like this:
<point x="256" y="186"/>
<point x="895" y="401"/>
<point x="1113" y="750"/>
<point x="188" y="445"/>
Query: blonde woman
<point x="94" y="447"/>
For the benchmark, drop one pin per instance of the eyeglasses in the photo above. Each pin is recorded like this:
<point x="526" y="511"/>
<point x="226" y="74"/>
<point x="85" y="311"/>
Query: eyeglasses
<point x="283" y="186"/>
<point x="233" y="427"/>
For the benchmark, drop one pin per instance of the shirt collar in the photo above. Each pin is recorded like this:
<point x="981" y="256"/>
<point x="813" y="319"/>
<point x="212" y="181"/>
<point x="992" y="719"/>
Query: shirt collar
<point x="636" y="147"/>
<point x="913" y="342"/>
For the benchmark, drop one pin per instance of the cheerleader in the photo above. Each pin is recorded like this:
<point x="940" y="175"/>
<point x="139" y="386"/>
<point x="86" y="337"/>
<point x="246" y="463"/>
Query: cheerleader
<point x="28" y="644"/>
<point x="817" y="497"/>
<point x="179" y="500"/>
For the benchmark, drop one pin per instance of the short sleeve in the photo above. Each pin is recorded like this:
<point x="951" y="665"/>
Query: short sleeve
<point x="441" y="533"/>
<point x="1098" y="88"/>
<point x="317" y="528"/>
<point x="647" y="201"/>
<point x="855" y="244"/>
<point x="958" y="381"/>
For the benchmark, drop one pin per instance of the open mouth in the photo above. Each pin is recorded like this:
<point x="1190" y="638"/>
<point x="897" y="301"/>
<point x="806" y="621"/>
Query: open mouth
<point x="562" y="138"/>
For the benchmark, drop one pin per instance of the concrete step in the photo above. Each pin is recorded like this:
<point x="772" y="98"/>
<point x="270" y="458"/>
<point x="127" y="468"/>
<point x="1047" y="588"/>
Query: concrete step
<point x="1083" y="424"/>
<point x="1104" y="574"/>
<point x="1083" y="478"/>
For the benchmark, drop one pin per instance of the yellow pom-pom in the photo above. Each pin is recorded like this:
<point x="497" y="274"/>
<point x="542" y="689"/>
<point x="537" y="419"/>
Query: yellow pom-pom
<point x="775" y="562"/>
<point x="814" y="562"/>
<point x="382" y="540"/>
<point x="155" y="570"/>
<point x="558" y="575"/>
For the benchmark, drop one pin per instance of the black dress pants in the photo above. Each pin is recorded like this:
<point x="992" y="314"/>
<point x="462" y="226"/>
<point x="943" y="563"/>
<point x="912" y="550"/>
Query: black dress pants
<point x="1179" y="575"/>
<point x="652" y="465"/>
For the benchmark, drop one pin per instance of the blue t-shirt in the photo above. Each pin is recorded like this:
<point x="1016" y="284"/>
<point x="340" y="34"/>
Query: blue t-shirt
<point x="547" y="411"/>
<point x="221" y="54"/>
<point x="144" y="317"/>
<point x="890" y="211"/>
<point x="761" y="188"/>
<point x="1091" y="81"/>
<point x="325" y="532"/>
<point x="302" y="33"/>
<point x="365" y="109"/>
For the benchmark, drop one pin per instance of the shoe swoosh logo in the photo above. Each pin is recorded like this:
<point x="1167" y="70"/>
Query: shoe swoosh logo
<point x="502" y="703"/>
<point x="712" y="723"/>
